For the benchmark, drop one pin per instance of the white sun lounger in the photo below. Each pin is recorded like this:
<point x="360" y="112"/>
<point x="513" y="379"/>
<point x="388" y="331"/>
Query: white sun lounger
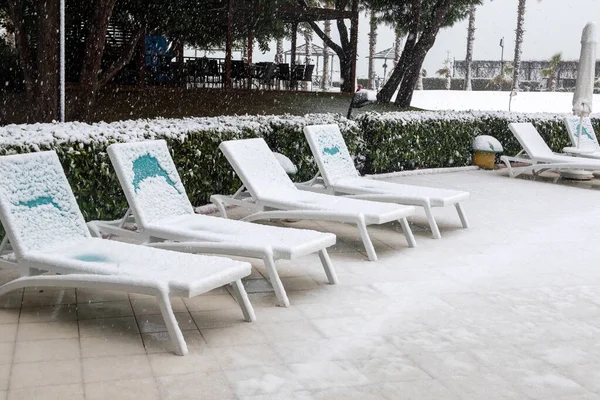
<point x="588" y="146"/>
<point x="162" y="211"/>
<point x="540" y="157"/>
<point x="337" y="175"/>
<point x="269" y="188"/>
<point x="47" y="233"/>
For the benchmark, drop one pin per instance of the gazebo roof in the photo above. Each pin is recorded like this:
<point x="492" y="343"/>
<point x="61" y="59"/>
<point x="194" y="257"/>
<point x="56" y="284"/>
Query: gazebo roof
<point x="386" y="54"/>
<point x="316" y="50"/>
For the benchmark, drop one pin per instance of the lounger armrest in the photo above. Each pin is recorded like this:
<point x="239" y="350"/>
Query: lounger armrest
<point x="215" y="248"/>
<point x="575" y="150"/>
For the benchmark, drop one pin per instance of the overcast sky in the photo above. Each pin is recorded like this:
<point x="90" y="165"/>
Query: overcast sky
<point x="551" y="26"/>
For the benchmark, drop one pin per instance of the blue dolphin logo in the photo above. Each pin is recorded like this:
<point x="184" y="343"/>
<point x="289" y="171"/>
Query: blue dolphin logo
<point x="584" y="131"/>
<point x="332" y="151"/>
<point x="40" y="201"/>
<point x="148" y="166"/>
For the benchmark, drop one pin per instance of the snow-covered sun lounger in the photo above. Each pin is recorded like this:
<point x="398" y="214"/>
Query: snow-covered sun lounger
<point x="587" y="146"/>
<point x="337" y="175"/>
<point x="162" y="212"/>
<point x="269" y="188"/>
<point x="540" y="157"/>
<point x="47" y="232"/>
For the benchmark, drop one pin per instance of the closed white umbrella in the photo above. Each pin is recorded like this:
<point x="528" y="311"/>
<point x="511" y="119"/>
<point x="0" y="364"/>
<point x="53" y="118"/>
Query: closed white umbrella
<point x="584" y="91"/>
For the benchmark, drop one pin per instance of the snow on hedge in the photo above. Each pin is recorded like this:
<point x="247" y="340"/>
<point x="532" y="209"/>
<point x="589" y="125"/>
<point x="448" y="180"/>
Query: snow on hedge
<point x="43" y="135"/>
<point x="38" y="135"/>
<point x="464" y="116"/>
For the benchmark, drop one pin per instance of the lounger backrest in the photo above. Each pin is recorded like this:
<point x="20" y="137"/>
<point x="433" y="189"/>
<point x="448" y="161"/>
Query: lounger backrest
<point x="530" y="140"/>
<point x="588" y="138"/>
<point x="150" y="180"/>
<point x="37" y="207"/>
<point x="256" y="166"/>
<point x="331" y="154"/>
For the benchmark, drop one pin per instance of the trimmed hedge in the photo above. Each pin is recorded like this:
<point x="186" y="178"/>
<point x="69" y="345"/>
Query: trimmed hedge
<point x="410" y="140"/>
<point x="381" y="142"/>
<point x="193" y="143"/>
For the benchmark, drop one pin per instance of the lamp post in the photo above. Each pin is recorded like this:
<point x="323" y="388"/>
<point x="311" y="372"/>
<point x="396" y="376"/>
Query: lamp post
<point x="502" y="57"/>
<point x="62" y="63"/>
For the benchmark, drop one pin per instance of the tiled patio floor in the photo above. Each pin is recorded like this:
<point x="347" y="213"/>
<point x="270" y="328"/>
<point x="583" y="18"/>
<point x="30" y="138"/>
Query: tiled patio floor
<point x="508" y="309"/>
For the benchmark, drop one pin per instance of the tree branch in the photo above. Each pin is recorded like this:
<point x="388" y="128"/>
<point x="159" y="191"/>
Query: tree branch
<point x="123" y="59"/>
<point x="330" y="43"/>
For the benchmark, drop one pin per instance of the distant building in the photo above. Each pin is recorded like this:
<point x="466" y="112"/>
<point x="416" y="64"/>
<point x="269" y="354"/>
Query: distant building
<point x="530" y="72"/>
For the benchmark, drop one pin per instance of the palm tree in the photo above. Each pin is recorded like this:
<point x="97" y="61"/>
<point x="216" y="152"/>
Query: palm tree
<point x="503" y="78"/>
<point x="518" y="43"/>
<point x="307" y="32"/>
<point x="470" y="41"/>
<point x="372" y="46"/>
<point x="422" y="75"/>
<point x="327" y="29"/>
<point x="279" y="51"/>
<point x="552" y="71"/>
<point x="445" y="73"/>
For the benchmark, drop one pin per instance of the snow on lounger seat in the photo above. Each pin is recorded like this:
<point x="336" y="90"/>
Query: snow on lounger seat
<point x="47" y="232"/>
<point x="271" y="188"/>
<point x="163" y="211"/>
<point x="537" y="153"/>
<point x="340" y="177"/>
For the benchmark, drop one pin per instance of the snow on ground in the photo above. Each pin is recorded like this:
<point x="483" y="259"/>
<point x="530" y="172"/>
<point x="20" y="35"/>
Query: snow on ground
<point x="496" y="101"/>
<point x="507" y="309"/>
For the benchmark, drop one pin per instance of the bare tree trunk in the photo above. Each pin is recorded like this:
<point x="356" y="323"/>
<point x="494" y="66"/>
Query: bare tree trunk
<point x="47" y="60"/>
<point x="325" y="75"/>
<point x="39" y="62"/>
<point x="398" y="43"/>
<point x="414" y="63"/>
<point x="470" y="40"/>
<point x="279" y="51"/>
<point x="519" y="43"/>
<point x="420" y="81"/>
<point x="372" y="45"/>
<point x="94" y="49"/>
<point x="388" y="90"/>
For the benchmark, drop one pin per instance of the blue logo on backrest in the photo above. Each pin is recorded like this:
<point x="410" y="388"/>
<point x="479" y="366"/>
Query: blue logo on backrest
<point x="147" y="167"/>
<point x="40" y="201"/>
<point x="331" y="150"/>
<point x="584" y="131"/>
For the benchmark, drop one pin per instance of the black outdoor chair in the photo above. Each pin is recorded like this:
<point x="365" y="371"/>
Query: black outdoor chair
<point x="308" y="72"/>
<point x="297" y="75"/>
<point x="283" y="74"/>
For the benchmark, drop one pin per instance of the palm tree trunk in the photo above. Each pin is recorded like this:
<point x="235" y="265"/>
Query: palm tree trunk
<point x="372" y="45"/>
<point x="279" y="51"/>
<point x="519" y="43"/>
<point x="470" y="40"/>
<point x="325" y="75"/>
<point x="308" y="50"/>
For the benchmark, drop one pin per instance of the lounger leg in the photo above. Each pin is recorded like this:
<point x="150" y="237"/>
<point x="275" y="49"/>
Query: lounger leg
<point x="172" y="326"/>
<point x="432" y="224"/>
<point x="217" y="202"/>
<point x="408" y="233"/>
<point x="329" y="270"/>
<point x="366" y="239"/>
<point x="282" y="298"/>
<point x="242" y="298"/>
<point x="462" y="215"/>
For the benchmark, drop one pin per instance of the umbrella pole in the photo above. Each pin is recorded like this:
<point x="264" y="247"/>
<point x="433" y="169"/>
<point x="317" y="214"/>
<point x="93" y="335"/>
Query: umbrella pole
<point x="580" y="129"/>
